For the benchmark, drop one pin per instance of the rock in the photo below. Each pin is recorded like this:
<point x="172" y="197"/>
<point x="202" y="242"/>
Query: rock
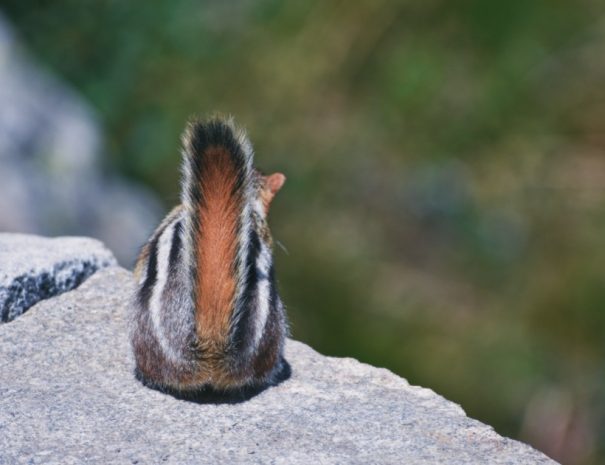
<point x="52" y="181"/>
<point x="34" y="268"/>
<point x="68" y="396"/>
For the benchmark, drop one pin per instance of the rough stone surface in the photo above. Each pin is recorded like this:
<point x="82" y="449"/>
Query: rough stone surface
<point x="68" y="396"/>
<point x="34" y="268"/>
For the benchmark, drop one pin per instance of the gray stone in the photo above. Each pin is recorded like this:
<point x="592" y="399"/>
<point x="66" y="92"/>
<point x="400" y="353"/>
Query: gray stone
<point x="68" y="396"/>
<point x="34" y="268"/>
<point x="52" y="179"/>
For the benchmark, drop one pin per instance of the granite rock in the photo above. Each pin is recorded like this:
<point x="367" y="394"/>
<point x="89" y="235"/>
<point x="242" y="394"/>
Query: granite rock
<point x="33" y="268"/>
<point x="53" y="180"/>
<point x="68" y="396"/>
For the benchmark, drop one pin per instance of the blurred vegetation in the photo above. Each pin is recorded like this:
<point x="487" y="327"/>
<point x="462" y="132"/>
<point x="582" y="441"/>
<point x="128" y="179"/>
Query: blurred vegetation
<point x="444" y="214"/>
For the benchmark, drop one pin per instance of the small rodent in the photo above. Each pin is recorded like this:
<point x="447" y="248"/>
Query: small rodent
<point x="206" y="311"/>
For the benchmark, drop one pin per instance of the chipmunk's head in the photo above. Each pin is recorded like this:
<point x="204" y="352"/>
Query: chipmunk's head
<point x="265" y="189"/>
<point x="267" y="186"/>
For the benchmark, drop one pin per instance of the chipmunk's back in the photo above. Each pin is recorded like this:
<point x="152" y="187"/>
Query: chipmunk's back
<point x="207" y="312"/>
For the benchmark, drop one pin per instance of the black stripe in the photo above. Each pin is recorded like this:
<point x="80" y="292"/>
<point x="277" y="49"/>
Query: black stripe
<point x="272" y="316"/>
<point x="242" y="332"/>
<point x="150" y="279"/>
<point x="251" y="270"/>
<point x="272" y="286"/>
<point x="175" y="247"/>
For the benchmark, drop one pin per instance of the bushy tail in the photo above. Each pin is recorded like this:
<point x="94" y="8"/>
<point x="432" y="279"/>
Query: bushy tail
<point x="217" y="170"/>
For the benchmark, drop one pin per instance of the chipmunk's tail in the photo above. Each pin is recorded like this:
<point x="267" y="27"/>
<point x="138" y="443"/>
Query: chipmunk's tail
<point x="216" y="194"/>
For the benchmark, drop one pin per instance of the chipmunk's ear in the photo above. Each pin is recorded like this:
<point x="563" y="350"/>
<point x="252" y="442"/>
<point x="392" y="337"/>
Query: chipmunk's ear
<point x="272" y="184"/>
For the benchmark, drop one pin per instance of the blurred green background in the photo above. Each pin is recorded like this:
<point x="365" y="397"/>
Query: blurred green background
<point x="444" y="214"/>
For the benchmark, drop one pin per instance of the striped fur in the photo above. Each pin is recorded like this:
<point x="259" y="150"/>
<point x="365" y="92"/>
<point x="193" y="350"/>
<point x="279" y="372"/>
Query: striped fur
<point x="207" y="311"/>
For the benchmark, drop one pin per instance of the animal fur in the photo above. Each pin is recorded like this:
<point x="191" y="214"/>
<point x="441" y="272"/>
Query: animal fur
<point x="207" y="311"/>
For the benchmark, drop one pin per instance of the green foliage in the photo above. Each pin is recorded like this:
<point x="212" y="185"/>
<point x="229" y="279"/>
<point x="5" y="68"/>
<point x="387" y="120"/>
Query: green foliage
<point x="444" y="213"/>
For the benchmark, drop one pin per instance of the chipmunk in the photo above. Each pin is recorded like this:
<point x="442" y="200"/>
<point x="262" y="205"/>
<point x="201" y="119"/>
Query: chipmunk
<point x="207" y="312"/>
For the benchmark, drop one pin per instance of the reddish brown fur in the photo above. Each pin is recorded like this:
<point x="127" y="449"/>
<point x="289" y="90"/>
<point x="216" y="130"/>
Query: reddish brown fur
<point x="218" y="216"/>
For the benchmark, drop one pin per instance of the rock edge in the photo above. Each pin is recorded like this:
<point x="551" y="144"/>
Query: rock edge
<point x="34" y="268"/>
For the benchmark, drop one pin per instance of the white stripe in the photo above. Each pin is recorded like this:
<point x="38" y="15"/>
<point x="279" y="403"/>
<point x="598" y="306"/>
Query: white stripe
<point x="143" y="276"/>
<point x="188" y="212"/>
<point x="155" y="303"/>
<point x="263" y="264"/>
<point x="257" y="205"/>
<point x="242" y="253"/>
